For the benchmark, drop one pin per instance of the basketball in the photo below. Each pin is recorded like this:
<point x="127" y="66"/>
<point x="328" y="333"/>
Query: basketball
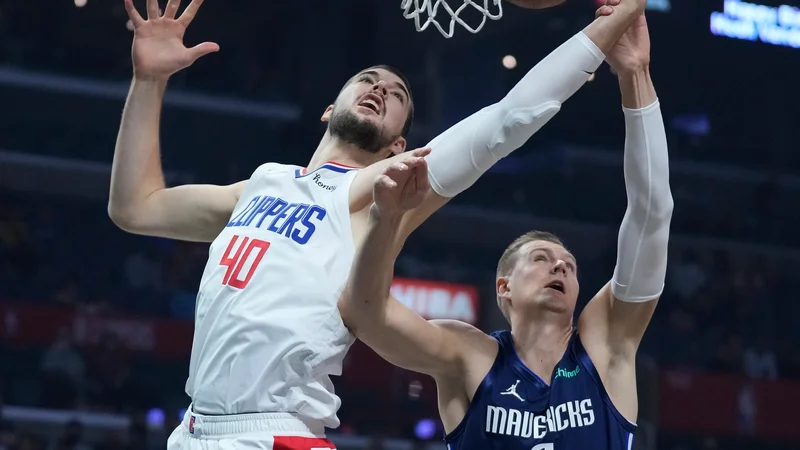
<point x="536" y="4"/>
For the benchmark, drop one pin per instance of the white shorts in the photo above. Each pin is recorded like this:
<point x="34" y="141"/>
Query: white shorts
<point x="266" y="431"/>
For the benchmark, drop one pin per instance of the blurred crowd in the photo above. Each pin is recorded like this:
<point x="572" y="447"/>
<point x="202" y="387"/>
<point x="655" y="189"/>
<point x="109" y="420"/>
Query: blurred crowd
<point x="729" y="306"/>
<point x="723" y="311"/>
<point x="736" y="303"/>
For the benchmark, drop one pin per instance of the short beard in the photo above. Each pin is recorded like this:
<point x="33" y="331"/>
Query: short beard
<point x="347" y="127"/>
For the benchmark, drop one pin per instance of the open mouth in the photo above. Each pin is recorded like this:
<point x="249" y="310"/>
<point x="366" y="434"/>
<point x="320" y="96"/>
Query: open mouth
<point x="372" y="102"/>
<point x="556" y="285"/>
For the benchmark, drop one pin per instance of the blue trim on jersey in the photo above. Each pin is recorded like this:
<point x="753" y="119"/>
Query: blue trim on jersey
<point x="586" y="362"/>
<point x="533" y="377"/>
<point x="526" y="371"/>
<point x="298" y="173"/>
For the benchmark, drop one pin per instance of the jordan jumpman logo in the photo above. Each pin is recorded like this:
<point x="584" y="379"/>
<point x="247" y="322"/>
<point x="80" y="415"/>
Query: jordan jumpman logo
<point x="513" y="391"/>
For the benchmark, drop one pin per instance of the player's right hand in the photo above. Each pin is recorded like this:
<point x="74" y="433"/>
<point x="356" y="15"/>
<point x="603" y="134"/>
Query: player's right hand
<point x="629" y="6"/>
<point x="631" y="53"/>
<point x="606" y="9"/>
<point x="158" y="49"/>
<point x="403" y="185"/>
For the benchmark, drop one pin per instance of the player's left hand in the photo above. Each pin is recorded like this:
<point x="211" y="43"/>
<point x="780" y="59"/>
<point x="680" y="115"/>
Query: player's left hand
<point x="632" y="52"/>
<point x="403" y="185"/>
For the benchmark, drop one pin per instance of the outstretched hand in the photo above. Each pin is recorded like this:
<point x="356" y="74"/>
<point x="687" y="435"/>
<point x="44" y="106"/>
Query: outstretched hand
<point x="158" y="49"/>
<point x="631" y="53"/>
<point x="403" y="185"/>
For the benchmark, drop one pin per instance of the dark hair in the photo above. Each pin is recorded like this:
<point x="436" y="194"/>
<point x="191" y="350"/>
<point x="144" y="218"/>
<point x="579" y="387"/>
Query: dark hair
<point x="396" y="71"/>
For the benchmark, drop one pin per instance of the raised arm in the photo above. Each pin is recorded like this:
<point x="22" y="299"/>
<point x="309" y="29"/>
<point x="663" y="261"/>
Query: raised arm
<point x="613" y="323"/>
<point x="391" y="329"/>
<point x="139" y="201"/>
<point x="469" y="148"/>
<point x="464" y="152"/>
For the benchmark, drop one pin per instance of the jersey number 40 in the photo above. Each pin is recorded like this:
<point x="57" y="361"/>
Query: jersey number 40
<point x="248" y="254"/>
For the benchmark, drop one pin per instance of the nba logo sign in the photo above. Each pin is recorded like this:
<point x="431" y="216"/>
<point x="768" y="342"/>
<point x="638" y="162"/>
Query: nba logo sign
<point x="191" y="425"/>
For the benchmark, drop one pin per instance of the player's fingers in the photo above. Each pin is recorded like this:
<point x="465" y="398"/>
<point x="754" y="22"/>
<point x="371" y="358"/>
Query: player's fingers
<point x="386" y="182"/>
<point x="421" y="152"/>
<point x="396" y="168"/>
<point x="203" y="49"/>
<point x="604" y="11"/>
<point x="152" y="9"/>
<point x="421" y="177"/>
<point x="133" y="14"/>
<point x="411" y="185"/>
<point x="414" y="161"/>
<point x="190" y="11"/>
<point x="172" y="9"/>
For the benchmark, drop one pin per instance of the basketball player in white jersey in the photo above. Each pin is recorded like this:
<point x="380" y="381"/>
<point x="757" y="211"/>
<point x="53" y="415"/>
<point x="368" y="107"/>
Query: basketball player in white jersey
<point x="268" y="333"/>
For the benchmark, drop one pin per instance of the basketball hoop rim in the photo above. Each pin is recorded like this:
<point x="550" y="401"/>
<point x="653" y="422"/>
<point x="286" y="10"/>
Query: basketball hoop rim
<point x="414" y="9"/>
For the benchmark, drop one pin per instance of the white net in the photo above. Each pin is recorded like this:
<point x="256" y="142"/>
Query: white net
<point x="426" y="12"/>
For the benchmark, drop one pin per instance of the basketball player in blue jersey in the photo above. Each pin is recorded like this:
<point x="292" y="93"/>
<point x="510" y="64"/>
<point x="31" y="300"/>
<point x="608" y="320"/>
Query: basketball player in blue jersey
<point x="546" y="384"/>
<point x="268" y="333"/>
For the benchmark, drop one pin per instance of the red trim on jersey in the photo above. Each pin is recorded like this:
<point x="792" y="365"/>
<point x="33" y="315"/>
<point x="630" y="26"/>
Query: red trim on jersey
<point x="342" y="165"/>
<point x="304" y="170"/>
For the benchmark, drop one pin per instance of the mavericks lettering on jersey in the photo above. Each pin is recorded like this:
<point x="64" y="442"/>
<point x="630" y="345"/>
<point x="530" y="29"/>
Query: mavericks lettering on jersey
<point x="296" y="221"/>
<point x="513" y="422"/>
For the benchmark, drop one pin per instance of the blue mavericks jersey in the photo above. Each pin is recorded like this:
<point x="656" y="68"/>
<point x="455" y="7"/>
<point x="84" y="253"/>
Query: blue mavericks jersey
<point x="513" y="409"/>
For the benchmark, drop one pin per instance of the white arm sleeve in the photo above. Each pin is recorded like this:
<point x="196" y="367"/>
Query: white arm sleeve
<point x="644" y="233"/>
<point x="460" y="155"/>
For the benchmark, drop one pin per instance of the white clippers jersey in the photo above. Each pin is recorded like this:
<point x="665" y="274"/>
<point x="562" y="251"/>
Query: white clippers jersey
<point x="267" y="328"/>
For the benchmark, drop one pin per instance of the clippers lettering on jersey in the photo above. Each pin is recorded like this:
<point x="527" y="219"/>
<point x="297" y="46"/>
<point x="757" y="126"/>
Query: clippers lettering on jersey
<point x="524" y="424"/>
<point x="296" y="221"/>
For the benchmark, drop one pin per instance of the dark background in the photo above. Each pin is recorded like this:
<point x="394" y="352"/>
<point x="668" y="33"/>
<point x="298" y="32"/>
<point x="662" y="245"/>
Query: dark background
<point x="96" y="324"/>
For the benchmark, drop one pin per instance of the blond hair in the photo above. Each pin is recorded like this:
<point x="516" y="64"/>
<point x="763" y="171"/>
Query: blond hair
<point x="511" y="255"/>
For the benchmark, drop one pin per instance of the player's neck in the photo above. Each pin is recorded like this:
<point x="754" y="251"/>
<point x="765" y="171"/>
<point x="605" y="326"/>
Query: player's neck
<point x="332" y="149"/>
<point x="541" y="344"/>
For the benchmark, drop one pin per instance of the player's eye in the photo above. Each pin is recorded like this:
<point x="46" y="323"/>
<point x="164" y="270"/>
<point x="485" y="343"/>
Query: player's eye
<point x="539" y="258"/>
<point x="398" y="95"/>
<point x="365" y="79"/>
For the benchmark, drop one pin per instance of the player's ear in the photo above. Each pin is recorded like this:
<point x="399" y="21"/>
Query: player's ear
<point x="398" y="146"/>
<point x="326" y="116"/>
<point x="502" y="288"/>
